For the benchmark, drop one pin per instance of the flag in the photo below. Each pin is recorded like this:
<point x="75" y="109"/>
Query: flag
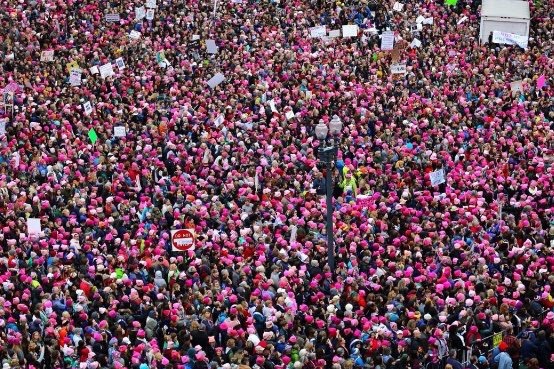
<point x="451" y="2"/>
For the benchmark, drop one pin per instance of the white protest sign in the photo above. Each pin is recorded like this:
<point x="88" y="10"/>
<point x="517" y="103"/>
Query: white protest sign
<point x="33" y="226"/>
<point x="500" y="37"/>
<point x="415" y="43"/>
<point x="106" y="70"/>
<point x="428" y="21"/>
<point x="211" y="46"/>
<point x="151" y="4"/>
<point x="289" y="114"/>
<point x="140" y="13"/>
<point x="272" y="106"/>
<point x="387" y="40"/>
<point x="462" y="20"/>
<point x="114" y="18"/>
<point x="437" y="177"/>
<point x="195" y="37"/>
<point x="120" y="63"/>
<point x="334" y="33"/>
<point x="3" y="123"/>
<point x="216" y="80"/>
<point x="516" y="86"/>
<point x="420" y="19"/>
<point x="75" y="77"/>
<point x="219" y="120"/>
<point x="47" y="56"/>
<point x="150" y="14"/>
<point x="318" y="32"/>
<point x="398" y="68"/>
<point x="94" y="70"/>
<point x="119" y="131"/>
<point x="350" y="30"/>
<point x="398" y="6"/>
<point x="308" y="94"/>
<point x="87" y="106"/>
<point x="135" y="35"/>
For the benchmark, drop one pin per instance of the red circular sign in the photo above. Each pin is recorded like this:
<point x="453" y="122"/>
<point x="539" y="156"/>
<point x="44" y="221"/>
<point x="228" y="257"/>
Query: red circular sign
<point x="183" y="240"/>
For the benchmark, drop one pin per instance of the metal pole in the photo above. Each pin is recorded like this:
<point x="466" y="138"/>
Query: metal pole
<point x="329" y="226"/>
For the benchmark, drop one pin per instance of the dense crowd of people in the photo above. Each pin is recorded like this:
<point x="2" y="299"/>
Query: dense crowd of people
<point x="450" y="276"/>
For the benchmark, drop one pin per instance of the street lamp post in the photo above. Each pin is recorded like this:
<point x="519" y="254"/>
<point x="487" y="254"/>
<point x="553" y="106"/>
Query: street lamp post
<point x="328" y="148"/>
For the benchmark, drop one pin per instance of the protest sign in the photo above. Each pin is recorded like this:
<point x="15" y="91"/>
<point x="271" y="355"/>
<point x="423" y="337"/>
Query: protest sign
<point x="334" y="33"/>
<point x="398" y="69"/>
<point x="71" y="65"/>
<point x="216" y="80"/>
<point x="119" y="131"/>
<point x="289" y="115"/>
<point x="3" y="123"/>
<point x="398" y="6"/>
<point x="211" y="46"/>
<point x="387" y="40"/>
<point x="496" y="339"/>
<point x="429" y="21"/>
<point x="106" y="70"/>
<point x="33" y="226"/>
<point x="93" y="137"/>
<point x="47" y="56"/>
<point x="112" y="17"/>
<point x="75" y="77"/>
<point x="437" y="177"/>
<point x="516" y="86"/>
<point x="272" y="106"/>
<point x="462" y="20"/>
<point x="135" y="35"/>
<point x="87" y="106"/>
<point x="541" y="81"/>
<point x="219" y="120"/>
<point x="420" y="19"/>
<point x="350" y="30"/>
<point x="499" y="37"/>
<point x="120" y="63"/>
<point x="94" y="69"/>
<point x="195" y="37"/>
<point x="151" y="4"/>
<point x="150" y="14"/>
<point x="140" y="13"/>
<point x="415" y="43"/>
<point x="318" y="32"/>
<point x="451" y="2"/>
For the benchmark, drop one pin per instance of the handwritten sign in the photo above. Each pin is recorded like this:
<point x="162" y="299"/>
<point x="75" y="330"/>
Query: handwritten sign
<point x="112" y="17"/>
<point x="135" y="35"/>
<point x="120" y="63"/>
<point x="216" y="80"/>
<point x="496" y="339"/>
<point x="318" y="32"/>
<point x="500" y="37"/>
<point x="33" y="226"/>
<point x="387" y="40"/>
<point x="437" y="177"/>
<point x="47" y="56"/>
<point x="150" y="14"/>
<point x="398" y="69"/>
<point x="350" y="30"/>
<point x="119" y="131"/>
<point x="151" y="4"/>
<point x="398" y="6"/>
<point x="140" y="13"/>
<point x="75" y="77"/>
<point x="87" y="106"/>
<point x="415" y="43"/>
<point x="211" y="47"/>
<point x="106" y="70"/>
<point x="334" y="33"/>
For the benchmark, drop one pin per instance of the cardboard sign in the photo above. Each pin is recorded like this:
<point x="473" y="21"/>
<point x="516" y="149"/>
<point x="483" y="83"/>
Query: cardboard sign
<point x="112" y="18"/>
<point x="119" y="131"/>
<point x="33" y="226"/>
<point x="216" y="80"/>
<point x="398" y="69"/>
<point x="182" y="239"/>
<point x="120" y="63"/>
<point x="106" y="70"/>
<point x="140" y="13"/>
<point x="87" y="106"/>
<point x="47" y="56"/>
<point x="150" y="14"/>
<point x="75" y="77"/>
<point x="211" y="46"/>
<point x="135" y="35"/>
<point x="350" y="30"/>
<point x="499" y="37"/>
<point x="387" y="40"/>
<point x="318" y="32"/>
<point x="437" y="177"/>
